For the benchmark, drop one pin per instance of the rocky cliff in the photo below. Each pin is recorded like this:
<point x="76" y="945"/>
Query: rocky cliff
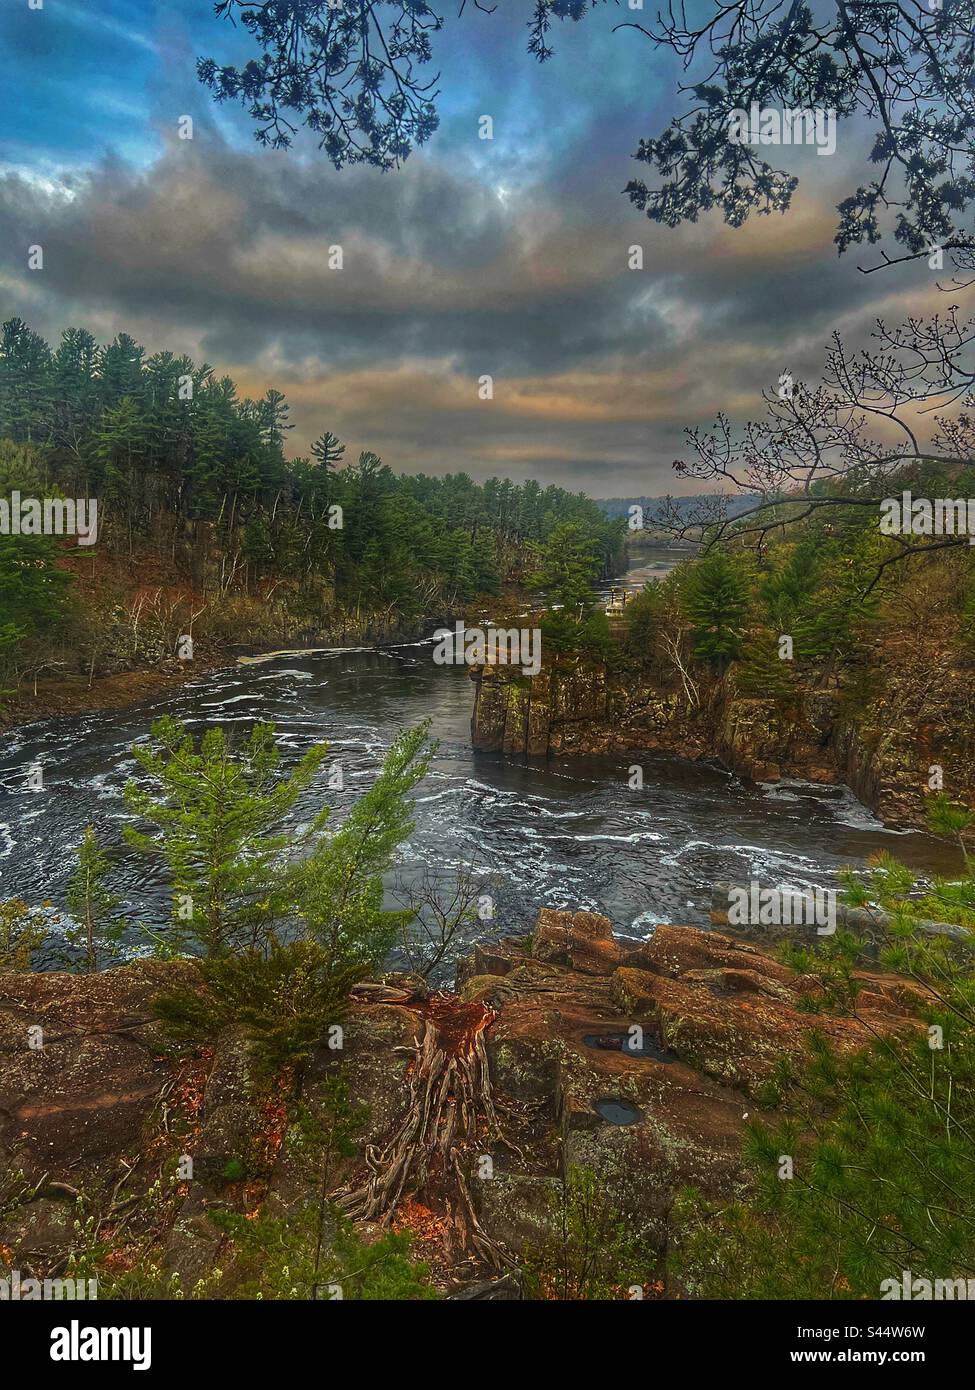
<point x="530" y="1064"/>
<point x="909" y="720"/>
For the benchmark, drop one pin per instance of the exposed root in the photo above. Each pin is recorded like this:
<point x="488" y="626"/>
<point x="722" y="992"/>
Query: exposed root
<point x="449" y="1117"/>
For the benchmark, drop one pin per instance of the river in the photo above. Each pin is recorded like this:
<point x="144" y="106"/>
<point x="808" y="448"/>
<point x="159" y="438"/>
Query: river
<point x="564" y="833"/>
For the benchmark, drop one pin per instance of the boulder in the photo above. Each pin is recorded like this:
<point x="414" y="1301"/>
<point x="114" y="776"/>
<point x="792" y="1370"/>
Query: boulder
<point x="581" y="940"/>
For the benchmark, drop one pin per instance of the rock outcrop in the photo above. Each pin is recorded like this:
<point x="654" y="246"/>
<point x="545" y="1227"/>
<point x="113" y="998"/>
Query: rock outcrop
<point x="97" y="1106"/>
<point x="918" y="715"/>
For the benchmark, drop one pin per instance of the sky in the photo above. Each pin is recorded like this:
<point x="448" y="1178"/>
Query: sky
<point x="505" y="258"/>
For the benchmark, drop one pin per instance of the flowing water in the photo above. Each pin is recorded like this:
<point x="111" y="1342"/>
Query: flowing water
<point x="563" y="833"/>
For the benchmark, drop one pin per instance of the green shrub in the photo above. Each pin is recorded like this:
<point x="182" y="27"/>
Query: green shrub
<point x="21" y="933"/>
<point x="589" y="1252"/>
<point x="285" y="1001"/>
<point x="869" y="1170"/>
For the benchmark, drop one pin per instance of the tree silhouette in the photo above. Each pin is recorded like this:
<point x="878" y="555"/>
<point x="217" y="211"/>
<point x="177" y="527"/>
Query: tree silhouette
<point x="348" y="70"/>
<point x="904" y="66"/>
<point x="352" y="72"/>
<point x="902" y="409"/>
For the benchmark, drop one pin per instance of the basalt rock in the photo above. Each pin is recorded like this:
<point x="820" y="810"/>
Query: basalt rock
<point x="918" y="714"/>
<point x="106" y="1109"/>
<point x="715" y="1017"/>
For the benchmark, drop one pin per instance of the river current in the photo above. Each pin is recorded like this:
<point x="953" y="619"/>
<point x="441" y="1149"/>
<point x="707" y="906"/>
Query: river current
<point x="563" y="833"/>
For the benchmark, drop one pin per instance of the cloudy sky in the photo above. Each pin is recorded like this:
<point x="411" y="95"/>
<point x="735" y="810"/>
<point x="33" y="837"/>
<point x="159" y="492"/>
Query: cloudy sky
<point x="505" y="257"/>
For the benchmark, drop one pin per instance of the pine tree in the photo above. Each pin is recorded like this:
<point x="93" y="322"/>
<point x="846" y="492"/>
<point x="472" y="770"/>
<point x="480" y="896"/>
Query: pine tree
<point x="274" y="410"/>
<point x="763" y="673"/>
<point x="460" y="581"/>
<point x="880" y="1142"/>
<point x="120" y="446"/>
<point x="485" y="573"/>
<point x="788" y="588"/>
<point x="120" y="371"/>
<point x="74" y="397"/>
<point x="96" y="930"/>
<point x="292" y="937"/>
<point x="25" y="383"/>
<point x="33" y="588"/>
<point x="716" y="599"/>
<point x="328" y="450"/>
<point x="566" y="565"/>
<point x="22" y="932"/>
<point x="644" y="615"/>
<point x="217" y="810"/>
<point x="844" y="605"/>
<point x="340" y="885"/>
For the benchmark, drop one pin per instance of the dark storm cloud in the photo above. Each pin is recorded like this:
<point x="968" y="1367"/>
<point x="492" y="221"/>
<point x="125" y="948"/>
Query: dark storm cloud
<point x="504" y="257"/>
<point x="236" y="247"/>
<point x="447" y="275"/>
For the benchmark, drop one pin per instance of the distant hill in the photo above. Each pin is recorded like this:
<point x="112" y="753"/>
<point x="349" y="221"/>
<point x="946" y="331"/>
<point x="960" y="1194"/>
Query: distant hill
<point x="735" y="503"/>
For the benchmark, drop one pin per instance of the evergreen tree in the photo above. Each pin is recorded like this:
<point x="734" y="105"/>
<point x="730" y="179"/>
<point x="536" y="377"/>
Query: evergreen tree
<point x="880" y="1142"/>
<point x="22" y="932"/>
<point x="328" y="450"/>
<point x="33" y="589"/>
<point x="25" y="383"/>
<point x="459" y="578"/>
<point x="566" y="564"/>
<point x="844" y="605"/>
<point x="763" y="672"/>
<point x="74" y="397"/>
<point x="95" y="929"/>
<point x="340" y="885"/>
<point x="120" y="446"/>
<point x="788" y="588"/>
<point x="120" y="371"/>
<point x="284" y="996"/>
<point x="485" y="571"/>
<point x="274" y="410"/>
<point x="291" y="938"/>
<point x="643" y="615"/>
<point x="217" y="810"/>
<point x="716" y="600"/>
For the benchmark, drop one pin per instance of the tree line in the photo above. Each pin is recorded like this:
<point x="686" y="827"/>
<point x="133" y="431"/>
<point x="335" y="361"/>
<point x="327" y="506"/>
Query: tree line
<point x="187" y="469"/>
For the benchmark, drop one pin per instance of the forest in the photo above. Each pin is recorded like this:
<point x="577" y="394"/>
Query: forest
<point x="200" y="504"/>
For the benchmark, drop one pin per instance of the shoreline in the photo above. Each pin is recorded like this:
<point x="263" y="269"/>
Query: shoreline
<point x="65" y="696"/>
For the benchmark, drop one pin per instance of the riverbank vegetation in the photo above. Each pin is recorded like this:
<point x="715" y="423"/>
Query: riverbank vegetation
<point x="863" y="1169"/>
<point x="853" y="545"/>
<point x="802" y="653"/>
<point x="208" y="529"/>
<point x="815" y="603"/>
